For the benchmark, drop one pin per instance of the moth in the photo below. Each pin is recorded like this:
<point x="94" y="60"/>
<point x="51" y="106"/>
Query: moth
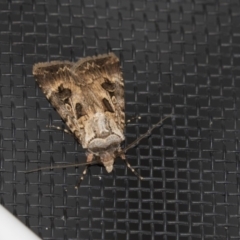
<point x="89" y="97"/>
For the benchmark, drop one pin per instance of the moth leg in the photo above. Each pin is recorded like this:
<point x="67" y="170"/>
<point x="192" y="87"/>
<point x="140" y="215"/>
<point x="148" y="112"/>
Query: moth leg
<point x="133" y="170"/>
<point x="81" y="178"/>
<point x="59" y="128"/>
<point x="130" y="167"/>
<point x="89" y="159"/>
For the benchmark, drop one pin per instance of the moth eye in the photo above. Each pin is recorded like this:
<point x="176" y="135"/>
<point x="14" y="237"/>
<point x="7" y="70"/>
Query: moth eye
<point x="79" y="110"/>
<point x="107" y="105"/>
<point x="108" y="85"/>
<point x="64" y="93"/>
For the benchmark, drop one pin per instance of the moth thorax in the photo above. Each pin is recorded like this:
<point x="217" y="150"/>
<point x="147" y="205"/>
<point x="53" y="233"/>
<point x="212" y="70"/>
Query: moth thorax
<point x="100" y="125"/>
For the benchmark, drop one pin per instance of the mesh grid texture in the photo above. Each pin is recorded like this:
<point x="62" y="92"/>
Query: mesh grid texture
<point x="179" y="58"/>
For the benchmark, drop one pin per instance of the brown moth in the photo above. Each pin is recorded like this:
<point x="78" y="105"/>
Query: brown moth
<point x="89" y="97"/>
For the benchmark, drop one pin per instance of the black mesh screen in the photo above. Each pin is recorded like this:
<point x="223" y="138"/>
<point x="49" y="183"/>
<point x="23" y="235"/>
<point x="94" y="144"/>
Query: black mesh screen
<point x="179" y="58"/>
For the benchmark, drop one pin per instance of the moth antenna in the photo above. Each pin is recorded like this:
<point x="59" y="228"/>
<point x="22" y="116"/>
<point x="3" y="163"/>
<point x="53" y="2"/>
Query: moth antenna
<point x="82" y="177"/>
<point x="61" y="166"/>
<point x="133" y="170"/>
<point x="134" y="143"/>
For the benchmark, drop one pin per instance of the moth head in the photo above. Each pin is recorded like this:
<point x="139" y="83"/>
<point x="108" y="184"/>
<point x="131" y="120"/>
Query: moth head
<point x="109" y="166"/>
<point x="107" y="159"/>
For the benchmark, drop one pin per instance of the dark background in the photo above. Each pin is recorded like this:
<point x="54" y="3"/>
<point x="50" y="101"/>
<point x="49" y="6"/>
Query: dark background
<point x="179" y="58"/>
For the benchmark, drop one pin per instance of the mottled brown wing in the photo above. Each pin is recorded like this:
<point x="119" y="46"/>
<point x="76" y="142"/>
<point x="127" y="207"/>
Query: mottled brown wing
<point x="49" y="74"/>
<point x="54" y="78"/>
<point x="104" y="72"/>
<point x="78" y="91"/>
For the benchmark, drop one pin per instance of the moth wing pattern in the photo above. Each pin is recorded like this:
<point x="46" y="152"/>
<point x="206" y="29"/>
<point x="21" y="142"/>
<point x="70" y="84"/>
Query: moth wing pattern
<point x="105" y="70"/>
<point x="89" y="97"/>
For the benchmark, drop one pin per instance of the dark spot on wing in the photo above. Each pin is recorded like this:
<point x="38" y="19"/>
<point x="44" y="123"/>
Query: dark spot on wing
<point x="107" y="105"/>
<point x="64" y="93"/>
<point x="108" y="85"/>
<point x="79" y="110"/>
